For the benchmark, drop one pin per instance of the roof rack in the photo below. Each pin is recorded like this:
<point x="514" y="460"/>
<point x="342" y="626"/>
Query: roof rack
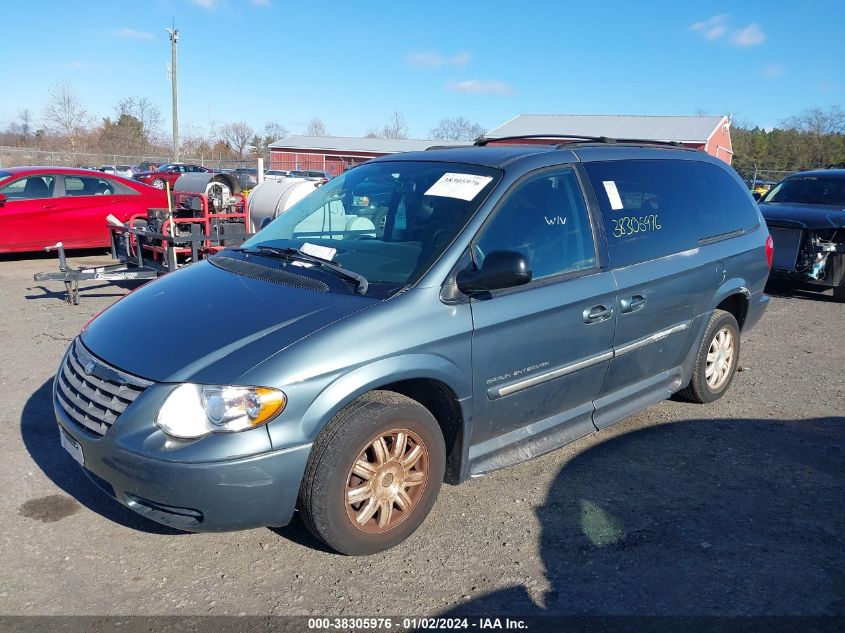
<point x="448" y="147"/>
<point x="482" y="141"/>
<point x="572" y="139"/>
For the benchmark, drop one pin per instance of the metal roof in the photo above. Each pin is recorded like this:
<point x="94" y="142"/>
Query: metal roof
<point x="685" y="129"/>
<point x="352" y="144"/>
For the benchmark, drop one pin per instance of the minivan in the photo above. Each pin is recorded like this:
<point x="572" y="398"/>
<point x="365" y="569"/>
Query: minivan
<point x="514" y="299"/>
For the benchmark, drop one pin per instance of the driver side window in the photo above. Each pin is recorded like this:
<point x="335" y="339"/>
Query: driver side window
<point x="545" y="219"/>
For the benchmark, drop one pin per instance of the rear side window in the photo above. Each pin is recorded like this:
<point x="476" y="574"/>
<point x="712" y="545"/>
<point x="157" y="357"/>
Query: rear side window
<point x="653" y="208"/>
<point x="85" y="186"/>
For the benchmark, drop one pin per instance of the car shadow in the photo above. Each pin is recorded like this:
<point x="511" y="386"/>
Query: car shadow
<point x="695" y="518"/>
<point x="40" y="435"/>
<point x="42" y="254"/>
<point x="296" y="532"/>
<point x="799" y="291"/>
<point x="84" y="290"/>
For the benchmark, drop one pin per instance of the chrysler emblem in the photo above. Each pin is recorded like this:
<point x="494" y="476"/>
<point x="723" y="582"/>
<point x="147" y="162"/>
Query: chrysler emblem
<point x="90" y="366"/>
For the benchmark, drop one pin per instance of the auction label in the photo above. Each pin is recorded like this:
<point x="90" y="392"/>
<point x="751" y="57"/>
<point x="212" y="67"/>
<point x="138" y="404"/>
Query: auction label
<point x="461" y="186"/>
<point x="612" y="194"/>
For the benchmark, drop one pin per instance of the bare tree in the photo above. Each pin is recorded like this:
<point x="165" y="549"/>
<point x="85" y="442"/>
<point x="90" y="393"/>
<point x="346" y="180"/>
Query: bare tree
<point x="237" y="136"/>
<point x="25" y="118"/>
<point x="148" y="117"/>
<point x="316" y="127"/>
<point x="273" y="131"/>
<point x="815" y="125"/>
<point x="372" y="133"/>
<point x="64" y="114"/>
<point x="396" y="127"/>
<point x="457" y="129"/>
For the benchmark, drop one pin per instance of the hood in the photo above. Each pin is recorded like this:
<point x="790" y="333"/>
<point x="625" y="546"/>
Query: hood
<point x="810" y="216"/>
<point x="207" y="325"/>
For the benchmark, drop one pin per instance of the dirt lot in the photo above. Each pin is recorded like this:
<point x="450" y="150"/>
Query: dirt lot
<point x="732" y="508"/>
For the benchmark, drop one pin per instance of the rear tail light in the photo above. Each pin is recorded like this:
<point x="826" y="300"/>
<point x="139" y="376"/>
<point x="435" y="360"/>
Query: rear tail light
<point x="770" y="250"/>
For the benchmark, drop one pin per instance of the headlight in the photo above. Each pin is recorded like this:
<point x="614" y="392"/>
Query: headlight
<point x="192" y="411"/>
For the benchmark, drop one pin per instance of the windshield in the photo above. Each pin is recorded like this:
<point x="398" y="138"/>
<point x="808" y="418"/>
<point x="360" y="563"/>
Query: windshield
<point x="387" y="221"/>
<point x="810" y="190"/>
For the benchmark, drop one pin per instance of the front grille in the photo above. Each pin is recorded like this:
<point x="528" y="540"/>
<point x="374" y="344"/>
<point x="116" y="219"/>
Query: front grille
<point x="92" y="393"/>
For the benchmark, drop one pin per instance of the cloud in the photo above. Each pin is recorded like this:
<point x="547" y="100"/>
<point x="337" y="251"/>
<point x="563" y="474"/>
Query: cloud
<point x="77" y="65"/>
<point x="712" y="28"/>
<point x="132" y="34"/>
<point x="208" y="5"/>
<point x="751" y="35"/>
<point x="431" y="59"/>
<point x="773" y="70"/>
<point x="261" y="3"/>
<point x="474" y="86"/>
<point x="718" y="26"/>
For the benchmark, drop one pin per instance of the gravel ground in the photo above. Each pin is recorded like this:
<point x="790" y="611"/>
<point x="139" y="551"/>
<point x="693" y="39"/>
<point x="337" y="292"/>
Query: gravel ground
<point x="731" y="508"/>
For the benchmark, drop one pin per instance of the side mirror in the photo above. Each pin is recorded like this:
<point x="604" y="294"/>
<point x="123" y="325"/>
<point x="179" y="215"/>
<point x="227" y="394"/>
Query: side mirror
<point x="500" y="269"/>
<point x="757" y="195"/>
<point x="265" y="221"/>
<point x="2" y="199"/>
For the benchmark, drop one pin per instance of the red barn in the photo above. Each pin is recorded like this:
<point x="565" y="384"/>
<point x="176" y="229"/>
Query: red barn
<point x="709" y="133"/>
<point x="336" y="154"/>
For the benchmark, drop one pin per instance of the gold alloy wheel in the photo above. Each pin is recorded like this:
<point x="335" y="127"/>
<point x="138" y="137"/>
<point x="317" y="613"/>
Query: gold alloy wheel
<point x="720" y="359"/>
<point x="386" y="481"/>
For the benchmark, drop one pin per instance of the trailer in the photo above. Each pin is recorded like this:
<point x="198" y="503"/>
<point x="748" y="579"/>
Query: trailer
<point x="208" y="213"/>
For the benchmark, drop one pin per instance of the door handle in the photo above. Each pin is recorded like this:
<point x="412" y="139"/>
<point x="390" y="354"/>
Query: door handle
<point x="632" y="304"/>
<point x="48" y="206"/>
<point x="598" y="313"/>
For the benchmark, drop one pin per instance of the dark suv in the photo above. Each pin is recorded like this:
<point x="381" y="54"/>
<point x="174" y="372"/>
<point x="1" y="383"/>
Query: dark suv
<point x="806" y="216"/>
<point x="512" y="300"/>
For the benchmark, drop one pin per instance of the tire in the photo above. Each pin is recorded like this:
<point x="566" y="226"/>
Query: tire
<point x="704" y="388"/>
<point x="158" y="183"/>
<point x="839" y="293"/>
<point x="377" y="521"/>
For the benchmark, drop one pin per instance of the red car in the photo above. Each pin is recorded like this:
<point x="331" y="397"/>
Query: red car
<point x="40" y="206"/>
<point x="168" y="173"/>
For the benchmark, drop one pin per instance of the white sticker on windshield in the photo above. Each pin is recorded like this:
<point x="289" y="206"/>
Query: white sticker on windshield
<point x="612" y="194"/>
<point x="323" y="252"/>
<point x="462" y="186"/>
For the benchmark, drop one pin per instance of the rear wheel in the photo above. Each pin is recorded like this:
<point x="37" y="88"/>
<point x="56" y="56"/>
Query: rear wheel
<point x="839" y="293"/>
<point x="373" y="475"/>
<point x="158" y="183"/>
<point x="717" y="359"/>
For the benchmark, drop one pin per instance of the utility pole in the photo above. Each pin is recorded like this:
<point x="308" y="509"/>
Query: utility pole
<point x="174" y="39"/>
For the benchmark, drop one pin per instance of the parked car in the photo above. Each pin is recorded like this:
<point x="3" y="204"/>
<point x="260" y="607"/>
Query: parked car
<point x="118" y="170"/>
<point x="276" y="174"/>
<point x="168" y="173"/>
<point x="321" y="176"/>
<point x="247" y="177"/>
<point x="805" y="214"/>
<point x="516" y="299"/>
<point x="40" y="206"/>
<point x="145" y="166"/>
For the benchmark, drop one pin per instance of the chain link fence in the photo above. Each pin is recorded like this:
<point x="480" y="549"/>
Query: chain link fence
<point x="18" y="156"/>
<point x="754" y="176"/>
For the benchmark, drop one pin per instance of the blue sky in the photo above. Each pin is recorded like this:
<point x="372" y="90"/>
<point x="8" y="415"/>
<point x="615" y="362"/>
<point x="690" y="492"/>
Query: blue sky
<point x="353" y="63"/>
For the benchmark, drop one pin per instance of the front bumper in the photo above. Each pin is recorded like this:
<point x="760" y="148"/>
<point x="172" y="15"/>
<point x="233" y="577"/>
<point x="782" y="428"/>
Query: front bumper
<point x="233" y="494"/>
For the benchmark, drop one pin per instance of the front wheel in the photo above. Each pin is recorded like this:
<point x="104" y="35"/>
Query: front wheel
<point x="717" y="360"/>
<point x="158" y="183"/>
<point x="839" y="293"/>
<point x="373" y="475"/>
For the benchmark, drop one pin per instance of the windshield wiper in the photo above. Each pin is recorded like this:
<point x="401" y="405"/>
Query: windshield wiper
<point x="361" y="283"/>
